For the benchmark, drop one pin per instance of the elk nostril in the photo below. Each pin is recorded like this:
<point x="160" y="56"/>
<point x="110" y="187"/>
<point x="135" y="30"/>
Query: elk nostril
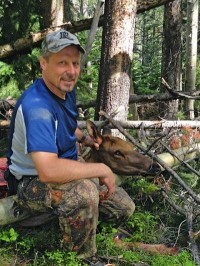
<point x="154" y="169"/>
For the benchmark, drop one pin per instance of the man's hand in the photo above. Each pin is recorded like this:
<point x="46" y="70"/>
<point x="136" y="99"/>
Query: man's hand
<point x="108" y="179"/>
<point x="89" y="142"/>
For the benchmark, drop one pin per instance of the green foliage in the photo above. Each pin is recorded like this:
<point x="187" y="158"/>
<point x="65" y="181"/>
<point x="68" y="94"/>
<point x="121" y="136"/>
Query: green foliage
<point x="9" y="235"/>
<point x="143" y="225"/>
<point x="41" y="246"/>
<point x="180" y="115"/>
<point x="146" y="80"/>
<point x="15" y="77"/>
<point x="27" y="243"/>
<point x="190" y="178"/>
<point x="18" y="19"/>
<point x="38" y="246"/>
<point x="105" y="244"/>
<point x="6" y="70"/>
<point x="88" y="81"/>
<point x="58" y="257"/>
<point x="147" y="54"/>
<point x="140" y="188"/>
<point x="183" y="258"/>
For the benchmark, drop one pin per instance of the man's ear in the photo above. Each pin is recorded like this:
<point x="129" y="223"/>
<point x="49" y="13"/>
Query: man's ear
<point x="93" y="132"/>
<point x="42" y="63"/>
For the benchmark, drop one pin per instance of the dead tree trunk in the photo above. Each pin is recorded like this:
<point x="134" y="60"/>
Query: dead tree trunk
<point x="116" y="58"/>
<point x="191" y="53"/>
<point x="171" y="55"/>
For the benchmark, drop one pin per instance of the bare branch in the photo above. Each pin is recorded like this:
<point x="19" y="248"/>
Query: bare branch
<point x="174" y="92"/>
<point x="175" y="206"/>
<point x="93" y="31"/>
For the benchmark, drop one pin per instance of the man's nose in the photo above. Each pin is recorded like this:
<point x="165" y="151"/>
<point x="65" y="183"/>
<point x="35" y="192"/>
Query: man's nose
<point x="70" y="69"/>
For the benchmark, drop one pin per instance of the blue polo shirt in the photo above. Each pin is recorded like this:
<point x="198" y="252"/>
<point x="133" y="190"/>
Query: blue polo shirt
<point x="41" y="121"/>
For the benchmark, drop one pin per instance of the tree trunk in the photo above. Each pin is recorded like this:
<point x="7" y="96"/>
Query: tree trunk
<point x="57" y="12"/>
<point x="116" y="57"/>
<point x="53" y="12"/>
<point x="171" y="55"/>
<point x="68" y="16"/>
<point x="191" y="52"/>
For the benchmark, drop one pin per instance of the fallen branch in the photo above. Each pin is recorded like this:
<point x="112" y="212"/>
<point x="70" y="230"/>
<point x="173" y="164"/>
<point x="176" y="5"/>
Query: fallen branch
<point x="174" y="92"/>
<point x="162" y="124"/>
<point x="175" y="206"/>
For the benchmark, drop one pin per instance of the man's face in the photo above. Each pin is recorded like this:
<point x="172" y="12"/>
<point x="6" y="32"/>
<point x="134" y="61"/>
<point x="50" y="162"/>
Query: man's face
<point x="61" y="70"/>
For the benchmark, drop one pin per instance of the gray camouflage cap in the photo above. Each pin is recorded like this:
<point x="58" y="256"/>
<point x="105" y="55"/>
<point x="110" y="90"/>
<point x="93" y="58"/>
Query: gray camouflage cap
<point x="57" y="40"/>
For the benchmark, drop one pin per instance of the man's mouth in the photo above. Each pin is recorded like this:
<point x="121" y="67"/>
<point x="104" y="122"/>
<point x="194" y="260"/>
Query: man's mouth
<point x="68" y="82"/>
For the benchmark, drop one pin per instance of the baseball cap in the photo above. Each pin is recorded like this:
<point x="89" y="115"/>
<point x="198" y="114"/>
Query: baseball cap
<point x="57" y="40"/>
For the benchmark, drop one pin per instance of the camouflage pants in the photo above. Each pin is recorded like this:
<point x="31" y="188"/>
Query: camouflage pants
<point x="78" y="207"/>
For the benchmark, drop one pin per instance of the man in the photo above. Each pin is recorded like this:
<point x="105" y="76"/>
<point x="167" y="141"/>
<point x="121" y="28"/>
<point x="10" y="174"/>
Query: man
<point x="43" y="153"/>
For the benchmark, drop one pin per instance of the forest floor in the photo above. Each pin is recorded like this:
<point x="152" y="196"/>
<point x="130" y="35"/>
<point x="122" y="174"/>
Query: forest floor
<point x="153" y="222"/>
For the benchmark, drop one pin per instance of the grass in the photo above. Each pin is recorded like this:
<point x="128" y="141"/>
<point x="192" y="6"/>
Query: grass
<point x="41" y="246"/>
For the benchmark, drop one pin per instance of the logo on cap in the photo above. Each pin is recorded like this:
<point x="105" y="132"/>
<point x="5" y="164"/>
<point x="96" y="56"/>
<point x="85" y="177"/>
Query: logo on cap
<point x="65" y="35"/>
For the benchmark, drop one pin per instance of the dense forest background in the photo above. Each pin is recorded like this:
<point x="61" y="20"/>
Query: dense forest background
<point x="20" y="20"/>
<point x="164" y="85"/>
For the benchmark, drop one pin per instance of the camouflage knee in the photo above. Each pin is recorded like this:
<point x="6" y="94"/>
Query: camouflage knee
<point x="34" y="195"/>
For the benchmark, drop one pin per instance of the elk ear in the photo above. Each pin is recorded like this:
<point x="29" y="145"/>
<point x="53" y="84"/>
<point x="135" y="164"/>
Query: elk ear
<point x="93" y="132"/>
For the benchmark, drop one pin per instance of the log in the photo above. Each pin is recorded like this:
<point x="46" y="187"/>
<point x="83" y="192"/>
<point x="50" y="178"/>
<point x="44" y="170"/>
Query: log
<point x="10" y="212"/>
<point x="160" y="124"/>
<point x="183" y="153"/>
<point x="163" y="124"/>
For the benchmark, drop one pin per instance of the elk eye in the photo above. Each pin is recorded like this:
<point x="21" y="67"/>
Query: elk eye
<point x="118" y="153"/>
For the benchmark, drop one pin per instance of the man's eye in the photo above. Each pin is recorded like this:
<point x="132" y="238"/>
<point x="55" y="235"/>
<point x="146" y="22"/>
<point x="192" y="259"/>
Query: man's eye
<point x="76" y="64"/>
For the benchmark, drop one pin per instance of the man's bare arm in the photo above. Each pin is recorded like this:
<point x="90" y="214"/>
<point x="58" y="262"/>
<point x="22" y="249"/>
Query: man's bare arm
<point x="52" y="169"/>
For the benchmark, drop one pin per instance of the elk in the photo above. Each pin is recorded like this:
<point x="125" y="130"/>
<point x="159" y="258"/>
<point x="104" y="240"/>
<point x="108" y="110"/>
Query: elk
<point x="119" y="155"/>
